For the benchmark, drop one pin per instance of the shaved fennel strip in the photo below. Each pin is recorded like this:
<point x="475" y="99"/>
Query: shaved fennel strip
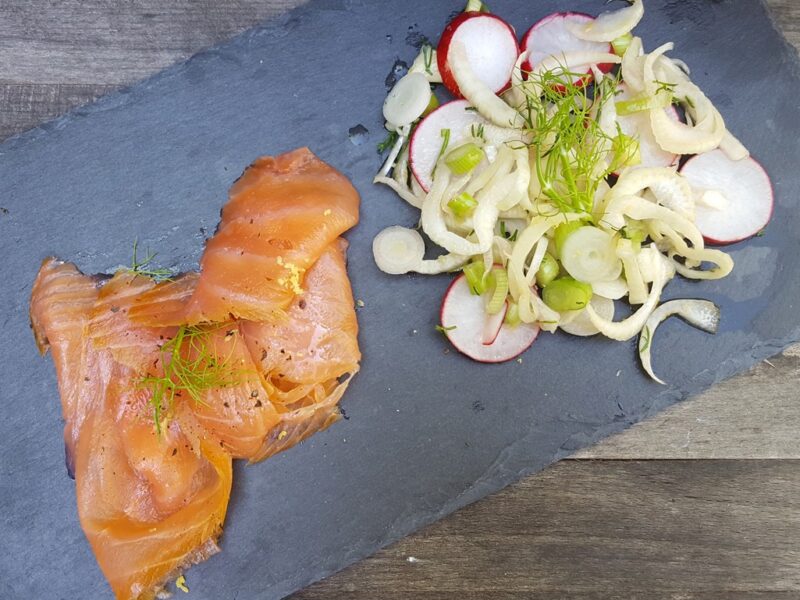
<point x="702" y="314"/>
<point x="489" y="105"/>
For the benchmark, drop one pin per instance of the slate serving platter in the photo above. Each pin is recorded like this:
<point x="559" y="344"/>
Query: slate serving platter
<point x="427" y="431"/>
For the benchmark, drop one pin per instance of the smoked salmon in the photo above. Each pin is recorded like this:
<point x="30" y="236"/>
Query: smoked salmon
<point x="281" y="215"/>
<point x="163" y="384"/>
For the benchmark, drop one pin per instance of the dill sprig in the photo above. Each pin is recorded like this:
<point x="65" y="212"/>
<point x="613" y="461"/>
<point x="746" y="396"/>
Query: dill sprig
<point x="190" y="366"/>
<point x="143" y="268"/>
<point x="570" y="149"/>
<point x="388" y="142"/>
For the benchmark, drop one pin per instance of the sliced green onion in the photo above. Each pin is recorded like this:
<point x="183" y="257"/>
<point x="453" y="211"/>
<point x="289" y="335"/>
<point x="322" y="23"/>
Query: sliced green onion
<point x="463" y="205"/>
<point x="474" y="273"/>
<point x="627" y="152"/>
<point x="464" y="159"/>
<point x="642" y="103"/>
<point x="567" y="294"/>
<point x="620" y="45"/>
<point x="548" y="270"/>
<point x="635" y="231"/>
<point x="512" y="315"/>
<point x="432" y="105"/>
<point x="498" y="281"/>
<point x="562" y="233"/>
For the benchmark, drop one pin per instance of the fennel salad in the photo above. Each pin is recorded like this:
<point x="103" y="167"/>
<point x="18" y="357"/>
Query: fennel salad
<point x="573" y="169"/>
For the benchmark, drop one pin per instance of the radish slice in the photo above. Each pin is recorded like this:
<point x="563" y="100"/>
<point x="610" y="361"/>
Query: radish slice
<point x="463" y="317"/>
<point x="638" y="126"/>
<point x="492" y="326"/>
<point x="398" y="250"/>
<point x="612" y="24"/>
<point x="698" y="313"/>
<point x="551" y="37"/>
<point x="408" y="100"/>
<point x="426" y="142"/>
<point x="582" y="325"/>
<point x="491" y="48"/>
<point x="747" y="188"/>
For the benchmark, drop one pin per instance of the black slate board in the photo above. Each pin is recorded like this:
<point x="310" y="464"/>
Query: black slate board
<point x="428" y="432"/>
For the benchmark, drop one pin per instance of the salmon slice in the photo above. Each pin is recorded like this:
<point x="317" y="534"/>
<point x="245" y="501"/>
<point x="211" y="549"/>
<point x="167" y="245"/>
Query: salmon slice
<point x="61" y="302"/>
<point x="149" y="504"/>
<point x="281" y="215"/>
<point x="307" y="360"/>
<point x="166" y="303"/>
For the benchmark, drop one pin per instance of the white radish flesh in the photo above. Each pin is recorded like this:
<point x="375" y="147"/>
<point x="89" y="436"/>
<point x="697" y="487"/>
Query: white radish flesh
<point x="702" y="314"/>
<point x="480" y="95"/>
<point x="552" y="37"/>
<point x="398" y="250"/>
<point x="582" y="325"/>
<point x="491" y="50"/>
<point x="492" y="325"/>
<point x="747" y="189"/>
<point x="463" y="318"/>
<point x="426" y="142"/>
<point x="408" y="100"/>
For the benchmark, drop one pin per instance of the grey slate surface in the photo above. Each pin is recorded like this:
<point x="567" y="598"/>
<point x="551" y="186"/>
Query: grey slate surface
<point x="427" y="432"/>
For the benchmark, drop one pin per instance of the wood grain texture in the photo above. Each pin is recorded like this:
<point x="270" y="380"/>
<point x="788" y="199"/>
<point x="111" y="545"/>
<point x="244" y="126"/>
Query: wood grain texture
<point x="603" y="529"/>
<point x="588" y="530"/>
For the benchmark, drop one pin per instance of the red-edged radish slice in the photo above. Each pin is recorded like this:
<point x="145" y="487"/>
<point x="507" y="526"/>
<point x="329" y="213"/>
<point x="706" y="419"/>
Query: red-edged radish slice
<point x="551" y="37"/>
<point x="426" y="142"/>
<point x="463" y="318"/>
<point x="638" y="126"/>
<point x="491" y="46"/>
<point x="747" y="189"/>
<point x="492" y="326"/>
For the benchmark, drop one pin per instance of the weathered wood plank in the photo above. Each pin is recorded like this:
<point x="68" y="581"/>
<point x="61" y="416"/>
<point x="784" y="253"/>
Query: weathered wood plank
<point x="111" y="42"/>
<point x="751" y="416"/>
<point x="609" y="529"/>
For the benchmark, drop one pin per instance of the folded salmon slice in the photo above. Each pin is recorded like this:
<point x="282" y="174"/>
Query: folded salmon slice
<point x="281" y="215"/>
<point x="149" y="504"/>
<point x="307" y="360"/>
<point x="61" y="304"/>
<point x="287" y="373"/>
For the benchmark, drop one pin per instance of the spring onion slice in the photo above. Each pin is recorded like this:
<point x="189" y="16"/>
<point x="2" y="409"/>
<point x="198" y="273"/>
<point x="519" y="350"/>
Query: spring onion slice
<point x="567" y="294"/>
<point x="463" y="205"/>
<point x="702" y="314"/>
<point x="474" y="273"/>
<point x="398" y="250"/>
<point x="498" y="285"/>
<point x="643" y="103"/>
<point x="622" y="43"/>
<point x="465" y="158"/>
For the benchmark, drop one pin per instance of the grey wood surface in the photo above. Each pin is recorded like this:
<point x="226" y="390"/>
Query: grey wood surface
<point x="630" y="518"/>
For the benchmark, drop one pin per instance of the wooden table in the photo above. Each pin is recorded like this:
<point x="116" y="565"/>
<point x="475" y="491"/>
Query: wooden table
<point x="702" y="502"/>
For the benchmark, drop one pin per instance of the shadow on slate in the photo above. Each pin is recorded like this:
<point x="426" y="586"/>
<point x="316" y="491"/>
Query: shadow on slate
<point x="154" y="162"/>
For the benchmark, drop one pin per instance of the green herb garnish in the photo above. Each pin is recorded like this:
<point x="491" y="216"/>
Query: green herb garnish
<point x="190" y="365"/>
<point x="388" y="142"/>
<point x="143" y="268"/>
